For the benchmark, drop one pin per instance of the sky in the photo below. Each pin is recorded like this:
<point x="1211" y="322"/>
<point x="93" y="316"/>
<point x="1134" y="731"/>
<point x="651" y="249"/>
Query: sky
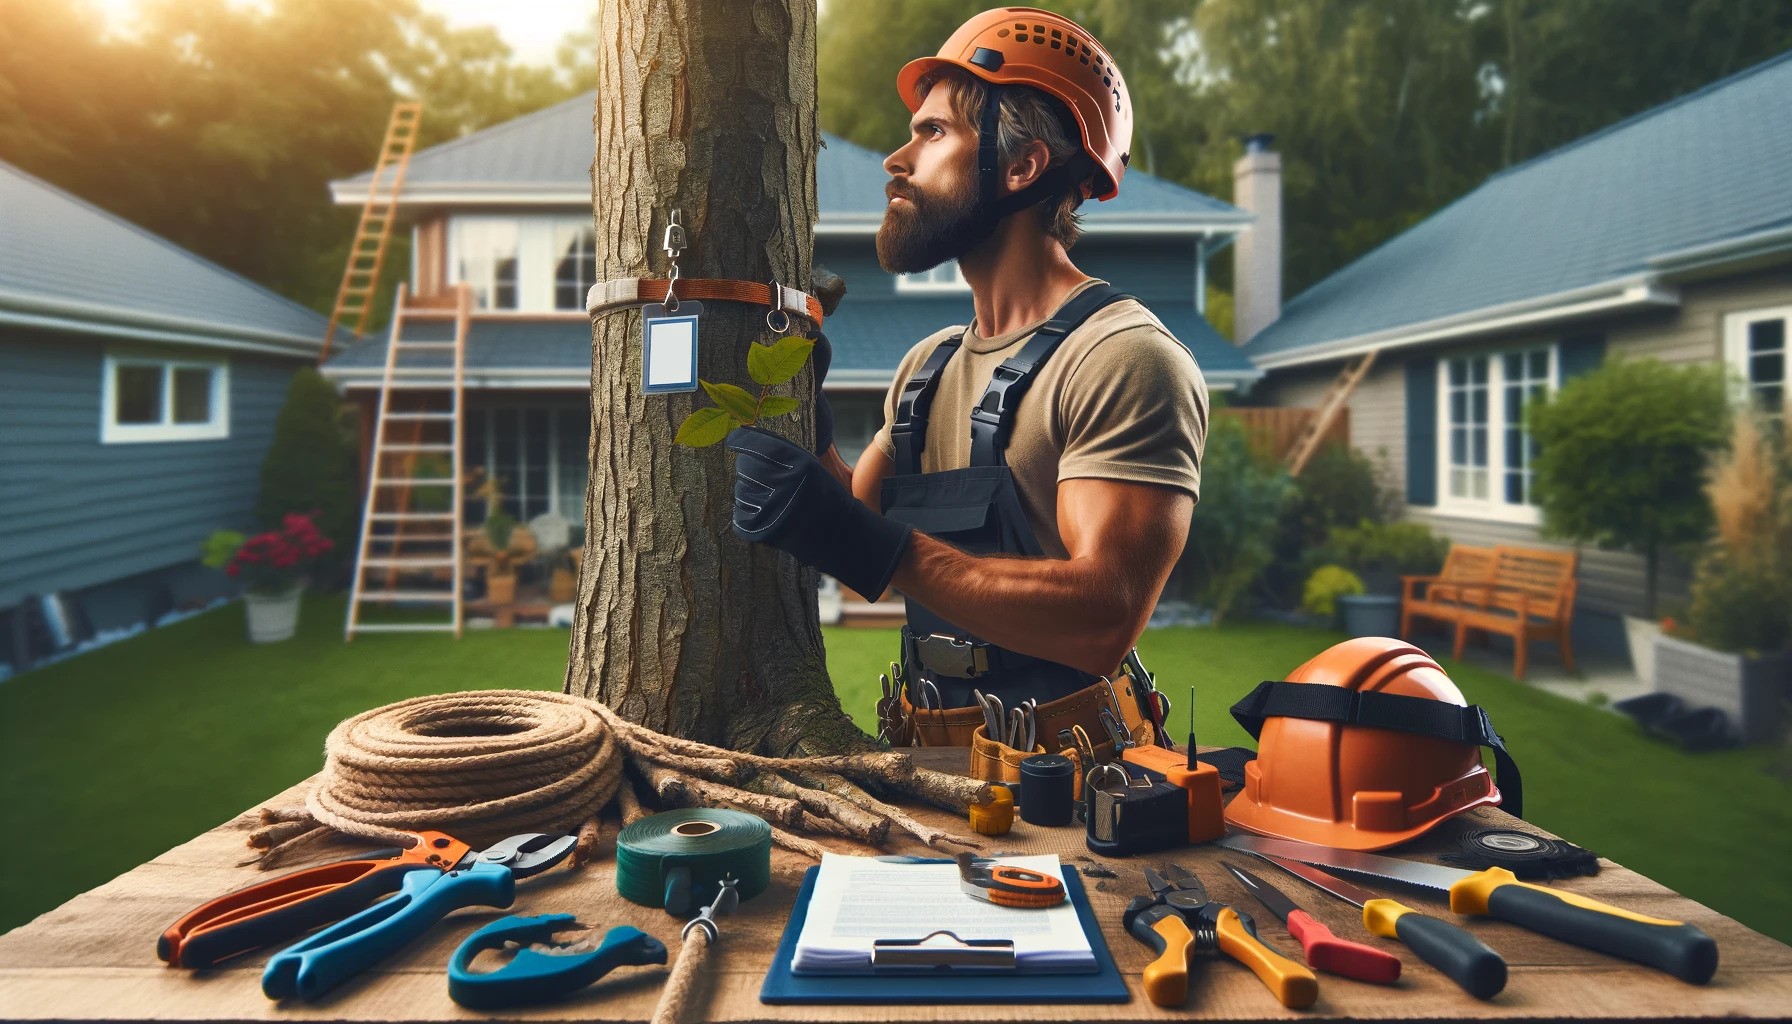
<point x="533" y="28"/>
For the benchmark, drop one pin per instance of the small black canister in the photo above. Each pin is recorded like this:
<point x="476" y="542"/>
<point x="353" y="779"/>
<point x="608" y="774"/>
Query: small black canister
<point x="1047" y="789"/>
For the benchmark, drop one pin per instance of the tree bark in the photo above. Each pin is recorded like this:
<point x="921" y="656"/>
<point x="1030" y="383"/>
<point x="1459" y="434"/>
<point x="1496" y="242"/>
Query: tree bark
<point x="707" y="107"/>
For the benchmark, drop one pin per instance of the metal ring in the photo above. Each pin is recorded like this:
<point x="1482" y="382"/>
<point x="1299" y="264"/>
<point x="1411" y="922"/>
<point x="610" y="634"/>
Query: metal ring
<point x="671" y="300"/>
<point x="777" y="303"/>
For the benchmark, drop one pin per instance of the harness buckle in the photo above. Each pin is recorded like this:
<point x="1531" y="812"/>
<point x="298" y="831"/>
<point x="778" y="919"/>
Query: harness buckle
<point x="950" y="656"/>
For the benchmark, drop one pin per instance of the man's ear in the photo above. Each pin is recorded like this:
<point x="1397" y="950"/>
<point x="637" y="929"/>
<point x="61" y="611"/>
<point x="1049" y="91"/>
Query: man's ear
<point x="1034" y="160"/>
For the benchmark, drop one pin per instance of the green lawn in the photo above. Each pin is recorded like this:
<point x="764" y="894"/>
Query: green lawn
<point x="115" y="756"/>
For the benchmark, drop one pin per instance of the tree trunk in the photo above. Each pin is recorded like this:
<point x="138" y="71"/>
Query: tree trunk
<point x="707" y="107"/>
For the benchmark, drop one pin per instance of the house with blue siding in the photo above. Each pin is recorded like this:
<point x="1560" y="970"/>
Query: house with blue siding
<point x="508" y="211"/>
<point x="1667" y="235"/>
<point x="139" y="385"/>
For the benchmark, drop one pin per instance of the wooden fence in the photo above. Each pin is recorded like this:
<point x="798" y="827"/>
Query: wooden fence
<point x="1273" y="430"/>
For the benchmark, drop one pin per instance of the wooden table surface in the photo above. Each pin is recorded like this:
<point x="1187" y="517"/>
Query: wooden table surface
<point x="93" y="958"/>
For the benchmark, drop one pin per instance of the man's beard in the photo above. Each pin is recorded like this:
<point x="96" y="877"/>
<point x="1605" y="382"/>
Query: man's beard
<point x="929" y="230"/>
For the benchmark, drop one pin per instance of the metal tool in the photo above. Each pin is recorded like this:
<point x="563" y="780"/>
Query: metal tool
<point x="272" y="912"/>
<point x="1324" y="951"/>
<point x="1006" y="885"/>
<point x="926" y="696"/>
<point x="1460" y="956"/>
<point x="535" y="977"/>
<point x="483" y="878"/>
<point x="1029" y="710"/>
<point x="888" y="710"/>
<point x="992" y="714"/>
<point x="727" y="899"/>
<point x="1675" y="947"/>
<point x="1179" y="922"/>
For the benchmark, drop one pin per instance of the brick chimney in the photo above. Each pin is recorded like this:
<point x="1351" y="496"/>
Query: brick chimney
<point x="1257" y="259"/>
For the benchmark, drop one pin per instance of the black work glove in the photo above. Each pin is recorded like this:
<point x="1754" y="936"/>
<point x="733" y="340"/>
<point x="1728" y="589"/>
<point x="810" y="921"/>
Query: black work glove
<point x="784" y="497"/>
<point x="823" y="355"/>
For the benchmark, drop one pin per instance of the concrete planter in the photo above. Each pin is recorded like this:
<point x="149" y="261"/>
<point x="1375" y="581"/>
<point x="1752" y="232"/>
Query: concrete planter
<point x="1370" y="614"/>
<point x="272" y="617"/>
<point x="1751" y="692"/>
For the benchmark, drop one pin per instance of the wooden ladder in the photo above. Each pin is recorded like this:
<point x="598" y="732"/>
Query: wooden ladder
<point x="367" y="254"/>
<point x="1337" y="396"/>
<point x="421" y="399"/>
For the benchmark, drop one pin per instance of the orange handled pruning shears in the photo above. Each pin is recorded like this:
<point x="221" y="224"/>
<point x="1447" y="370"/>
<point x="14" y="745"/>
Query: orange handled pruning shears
<point x="268" y="913"/>
<point x="1008" y="886"/>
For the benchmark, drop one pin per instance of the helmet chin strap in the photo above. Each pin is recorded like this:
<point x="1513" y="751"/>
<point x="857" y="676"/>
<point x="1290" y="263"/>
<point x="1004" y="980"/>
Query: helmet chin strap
<point x="996" y="207"/>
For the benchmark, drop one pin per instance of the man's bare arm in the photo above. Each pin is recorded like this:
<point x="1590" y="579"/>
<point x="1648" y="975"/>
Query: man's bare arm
<point x="1123" y="540"/>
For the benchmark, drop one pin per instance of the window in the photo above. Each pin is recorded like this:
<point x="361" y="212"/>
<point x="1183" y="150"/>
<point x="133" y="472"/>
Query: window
<point x="1488" y="454"/>
<point x="1755" y="346"/>
<point x="575" y="264"/>
<point x="539" y="455"/>
<point x="143" y="398"/>
<point x="483" y="252"/>
<point x="944" y="278"/>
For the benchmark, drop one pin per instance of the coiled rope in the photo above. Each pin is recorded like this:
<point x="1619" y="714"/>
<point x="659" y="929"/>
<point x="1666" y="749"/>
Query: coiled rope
<point x="487" y="764"/>
<point x="481" y="765"/>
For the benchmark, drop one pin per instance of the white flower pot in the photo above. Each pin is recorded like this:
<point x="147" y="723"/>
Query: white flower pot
<point x="272" y="617"/>
<point x="1642" y="633"/>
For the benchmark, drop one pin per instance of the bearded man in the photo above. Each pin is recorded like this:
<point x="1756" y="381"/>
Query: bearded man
<point x="1030" y="539"/>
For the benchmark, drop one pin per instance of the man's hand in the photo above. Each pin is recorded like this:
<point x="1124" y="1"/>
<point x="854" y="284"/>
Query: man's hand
<point x="785" y="498"/>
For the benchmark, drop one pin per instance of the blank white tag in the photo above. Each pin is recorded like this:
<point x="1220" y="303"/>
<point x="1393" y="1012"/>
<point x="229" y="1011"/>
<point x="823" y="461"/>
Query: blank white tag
<point x="669" y="348"/>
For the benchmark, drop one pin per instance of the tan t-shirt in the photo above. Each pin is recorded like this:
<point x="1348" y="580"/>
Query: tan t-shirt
<point x="1120" y="399"/>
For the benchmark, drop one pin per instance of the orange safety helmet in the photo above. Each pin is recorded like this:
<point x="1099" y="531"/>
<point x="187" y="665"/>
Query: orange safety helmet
<point x="1028" y="46"/>
<point x="1366" y="746"/>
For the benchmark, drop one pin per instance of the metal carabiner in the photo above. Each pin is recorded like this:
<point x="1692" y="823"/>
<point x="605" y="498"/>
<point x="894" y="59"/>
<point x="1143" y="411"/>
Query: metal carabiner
<point x="777" y="303"/>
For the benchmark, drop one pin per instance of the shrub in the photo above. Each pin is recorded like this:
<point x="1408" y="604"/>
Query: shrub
<point x="1232" y="536"/>
<point x="311" y="465"/>
<point x="1325" y="586"/>
<point x="1617" y="447"/>
<point x="498" y="527"/>
<point x="1338" y="487"/>
<point x="1386" y="550"/>
<point x="1742" y="585"/>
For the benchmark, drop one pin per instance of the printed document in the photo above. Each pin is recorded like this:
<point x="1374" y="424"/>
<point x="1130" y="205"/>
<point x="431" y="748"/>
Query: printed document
<point x="858" y="900"/>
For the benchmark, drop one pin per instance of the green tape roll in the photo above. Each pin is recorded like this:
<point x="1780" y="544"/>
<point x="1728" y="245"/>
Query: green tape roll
<point x="677" y="860"/>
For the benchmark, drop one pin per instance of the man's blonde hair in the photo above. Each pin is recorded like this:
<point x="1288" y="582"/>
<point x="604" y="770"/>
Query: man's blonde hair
<point x="1026" y="114"/>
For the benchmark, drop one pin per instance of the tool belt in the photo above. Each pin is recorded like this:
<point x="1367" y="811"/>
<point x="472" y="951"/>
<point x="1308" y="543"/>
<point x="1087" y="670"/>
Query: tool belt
<point x="994" y="761"/>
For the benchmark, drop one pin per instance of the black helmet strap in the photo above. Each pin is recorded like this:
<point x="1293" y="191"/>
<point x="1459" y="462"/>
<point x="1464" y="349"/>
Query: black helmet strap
<point x="1420" y="716"/>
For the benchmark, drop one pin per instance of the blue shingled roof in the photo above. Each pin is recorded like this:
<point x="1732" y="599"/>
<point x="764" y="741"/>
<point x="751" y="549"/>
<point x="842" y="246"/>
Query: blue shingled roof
<point x="549" y="153"/>
<point x="1715" y="164"/>
<point x="870" y="339"/>
<point x="66" y="263"/>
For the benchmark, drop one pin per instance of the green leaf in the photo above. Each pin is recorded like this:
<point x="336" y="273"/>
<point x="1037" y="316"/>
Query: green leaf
<point x="705" y="427"/>
<point x="776" y="363"/>
<point x="734" y="399"/>
<point x="777" y="405"/>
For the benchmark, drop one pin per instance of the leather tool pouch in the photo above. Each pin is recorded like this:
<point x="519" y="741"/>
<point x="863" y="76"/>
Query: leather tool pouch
<point x="994" y="761"/>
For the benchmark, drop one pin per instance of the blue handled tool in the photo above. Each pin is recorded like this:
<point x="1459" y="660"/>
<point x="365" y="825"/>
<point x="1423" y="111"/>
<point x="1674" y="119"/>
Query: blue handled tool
<point x="536" y="977"/>
<point x="484" y="878"/>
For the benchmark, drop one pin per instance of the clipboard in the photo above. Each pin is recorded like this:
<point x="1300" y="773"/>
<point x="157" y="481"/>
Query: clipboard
<point x="945" y="984"/>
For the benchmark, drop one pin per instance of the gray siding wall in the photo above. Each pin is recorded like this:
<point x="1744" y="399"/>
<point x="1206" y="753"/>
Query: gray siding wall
<point x="78" y="512"/>
<point x="1611" y="582"/>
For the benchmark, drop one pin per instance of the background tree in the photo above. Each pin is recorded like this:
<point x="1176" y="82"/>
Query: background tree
<point x="220" y="125"/>
<point x="1622" y="451"/>
<point x="680" y="625"/>
<point x="310" y="467"/>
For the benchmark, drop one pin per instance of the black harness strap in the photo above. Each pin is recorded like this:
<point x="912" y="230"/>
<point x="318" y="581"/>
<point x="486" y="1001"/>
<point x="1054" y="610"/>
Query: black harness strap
<point x="909" y="432"/>
<point x="1417" y="715"/>
<point x="992" y="418"/>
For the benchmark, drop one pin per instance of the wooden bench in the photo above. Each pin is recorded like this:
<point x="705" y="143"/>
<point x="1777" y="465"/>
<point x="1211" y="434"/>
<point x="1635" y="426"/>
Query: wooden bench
<point x="1523" y="593"/>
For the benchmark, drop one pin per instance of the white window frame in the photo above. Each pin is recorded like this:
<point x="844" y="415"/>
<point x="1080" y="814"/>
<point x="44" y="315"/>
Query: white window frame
<point x="579" y="226"/>
<point x="936" y="280"/>
<point x="537" y="262"/>
<point x="217" y="428"/>
<point x="1736" y="353"/>
<point x="488" y="287"/>
<point x="1494" y="507"/>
